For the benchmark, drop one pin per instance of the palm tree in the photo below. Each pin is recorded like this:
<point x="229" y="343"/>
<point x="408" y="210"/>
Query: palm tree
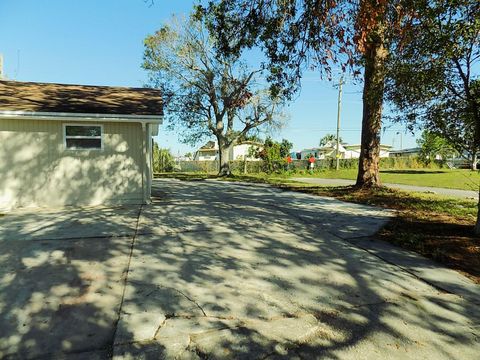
<point x="330" y="138"/>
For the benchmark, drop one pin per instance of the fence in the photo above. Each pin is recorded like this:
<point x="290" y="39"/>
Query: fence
<point x="255" y="167"/>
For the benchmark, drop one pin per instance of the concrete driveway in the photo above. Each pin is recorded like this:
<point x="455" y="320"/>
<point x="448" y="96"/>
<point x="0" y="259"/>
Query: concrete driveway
<point x="213" y="270"/>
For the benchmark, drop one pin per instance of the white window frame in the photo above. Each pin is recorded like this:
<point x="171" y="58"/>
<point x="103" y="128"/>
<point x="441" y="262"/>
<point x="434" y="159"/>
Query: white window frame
<point x="65" y="137"/>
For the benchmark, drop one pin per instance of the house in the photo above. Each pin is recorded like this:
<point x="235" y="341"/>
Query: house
<point x="345" y="151"/>
<point x="353" y="151"/>
<point x="208" y="152"/>
<point x="324" y="152"/>
<point x="76" y="145"/>
<point x="241" y="151"/>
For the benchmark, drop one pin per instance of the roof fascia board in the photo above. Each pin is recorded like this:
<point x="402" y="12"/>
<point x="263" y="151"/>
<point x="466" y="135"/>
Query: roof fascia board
<point x="33" y="115"/>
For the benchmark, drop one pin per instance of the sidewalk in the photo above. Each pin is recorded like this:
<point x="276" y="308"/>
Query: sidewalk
<point x="462" y="194"/>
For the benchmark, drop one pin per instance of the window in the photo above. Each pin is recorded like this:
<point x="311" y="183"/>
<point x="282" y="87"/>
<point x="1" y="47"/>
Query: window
<point x="83" y="137"/>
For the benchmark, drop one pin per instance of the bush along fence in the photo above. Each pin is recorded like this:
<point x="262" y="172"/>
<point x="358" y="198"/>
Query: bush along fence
<point x="256" y="167"/>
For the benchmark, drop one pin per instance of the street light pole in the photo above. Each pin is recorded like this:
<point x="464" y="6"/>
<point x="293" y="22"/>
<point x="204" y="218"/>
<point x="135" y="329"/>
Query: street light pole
<point x="337" y="152"/>
<point x="401" y="139"/>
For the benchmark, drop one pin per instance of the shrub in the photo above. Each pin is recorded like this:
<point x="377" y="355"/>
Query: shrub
<point x="163" y="160"/>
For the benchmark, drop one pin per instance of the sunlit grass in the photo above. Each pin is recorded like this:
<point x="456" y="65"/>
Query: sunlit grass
<point x="444" y="178"/>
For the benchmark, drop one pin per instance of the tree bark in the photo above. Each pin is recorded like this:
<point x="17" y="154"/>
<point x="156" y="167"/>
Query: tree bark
<point x="476" y="230"/>
<point x="373" y="89"/>
<point x="223" y="162"/>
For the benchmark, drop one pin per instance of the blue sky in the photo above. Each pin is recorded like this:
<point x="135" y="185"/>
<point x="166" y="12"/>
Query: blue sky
<point x="101" y="43"/>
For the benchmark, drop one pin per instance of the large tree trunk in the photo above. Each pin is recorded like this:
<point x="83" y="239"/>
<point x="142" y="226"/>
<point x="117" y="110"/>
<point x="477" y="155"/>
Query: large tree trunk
<point x="474" y="168"/>
<point x="223" y="162"/>
<point x="373" y="88"/>
<point x="477" y="224"/>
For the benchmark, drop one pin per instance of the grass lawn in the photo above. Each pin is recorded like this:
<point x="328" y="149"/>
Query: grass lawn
<point x="445" y="178"/>
<point x="434" y="226"/>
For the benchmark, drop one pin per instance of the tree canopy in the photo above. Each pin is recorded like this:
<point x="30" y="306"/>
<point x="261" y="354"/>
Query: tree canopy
<point x="433" y="145"/>
<point x="274" y="153"/>
<point x="434" y="77"/>
<point x="329" y="138"/>
<point x="321" y="35"/>
<point x="206" y="93"/>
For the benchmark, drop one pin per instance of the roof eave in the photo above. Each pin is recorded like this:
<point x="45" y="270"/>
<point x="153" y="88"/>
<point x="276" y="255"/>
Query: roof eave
<point x="61" y="116"/>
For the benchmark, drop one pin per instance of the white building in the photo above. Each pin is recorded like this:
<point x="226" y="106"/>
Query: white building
<point x="353" y="151"/>
<point x="345" y="151"/>
<point x="209" y="152"/>
<point x="76" y="145"/>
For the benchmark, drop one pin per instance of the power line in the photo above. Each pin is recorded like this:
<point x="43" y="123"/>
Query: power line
<point x="332" y="129"/>
<point x="339" y="109"/>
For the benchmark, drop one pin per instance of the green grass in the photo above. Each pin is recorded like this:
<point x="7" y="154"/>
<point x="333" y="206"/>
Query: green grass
<point x="444" y="178"/>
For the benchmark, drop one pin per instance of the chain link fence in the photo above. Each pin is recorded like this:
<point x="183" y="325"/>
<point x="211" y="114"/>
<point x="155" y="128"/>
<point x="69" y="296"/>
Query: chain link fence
<point x="256" y="167"/>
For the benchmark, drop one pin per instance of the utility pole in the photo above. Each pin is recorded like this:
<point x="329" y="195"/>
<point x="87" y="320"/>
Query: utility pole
<point x="337" y="152"/>
<point x="1" y="66"/>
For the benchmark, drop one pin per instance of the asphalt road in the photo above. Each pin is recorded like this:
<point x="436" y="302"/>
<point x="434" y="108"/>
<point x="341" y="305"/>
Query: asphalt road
<point x="463" y="194"/>
<point x="214" y="270"/>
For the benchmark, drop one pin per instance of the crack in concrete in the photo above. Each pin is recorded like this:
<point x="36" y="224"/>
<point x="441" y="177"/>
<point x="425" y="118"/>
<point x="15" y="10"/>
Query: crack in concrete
<point x="195" y="349"/>
<point x="98" y="237"/>
<point x="175" y="232"/>
<point x="185" y="296"/>
<point x="406" y="270"/>
<point x="162" y="324"/>
<point x="119" y="312"/>
<point x="373" y="304"/>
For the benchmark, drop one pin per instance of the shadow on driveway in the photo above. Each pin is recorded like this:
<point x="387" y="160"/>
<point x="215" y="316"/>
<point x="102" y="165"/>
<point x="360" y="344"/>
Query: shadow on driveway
<point x="226" y="271"/>
<point x="218" y="271"/>
<point x="61" y="281"/>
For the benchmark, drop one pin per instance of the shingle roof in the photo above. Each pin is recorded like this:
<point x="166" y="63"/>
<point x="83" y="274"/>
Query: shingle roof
<point x="86" y="99"/>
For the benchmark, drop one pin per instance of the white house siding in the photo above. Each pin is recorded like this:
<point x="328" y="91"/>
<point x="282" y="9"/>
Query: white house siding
<point x="36" y="170"/>
<point x="240" y="151"/>
<point x="384" y="153"/>
<point x="206" y="155"/>
<point x="348" y="152"/>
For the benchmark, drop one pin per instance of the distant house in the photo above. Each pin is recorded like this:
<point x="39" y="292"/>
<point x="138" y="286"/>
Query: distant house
<point x="307" y="153"/>
<point x="353" y="151"/>
<point x="345" y="151"/>
<point x="243" y="150"/>
<point x="410" y="152"/>
<point x="183" y="158"/>
<point x="76" y="145"/>
<point x="209" y="152"/>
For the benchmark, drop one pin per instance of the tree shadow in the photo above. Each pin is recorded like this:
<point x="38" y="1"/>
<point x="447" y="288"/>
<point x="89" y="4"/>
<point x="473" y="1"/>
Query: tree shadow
<point x="37" y="170"/>
<point x="413" y="171"/>
<point x="217" y="271"/>
<point x="61" y="294"/>
<point x="256" y="273"/>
